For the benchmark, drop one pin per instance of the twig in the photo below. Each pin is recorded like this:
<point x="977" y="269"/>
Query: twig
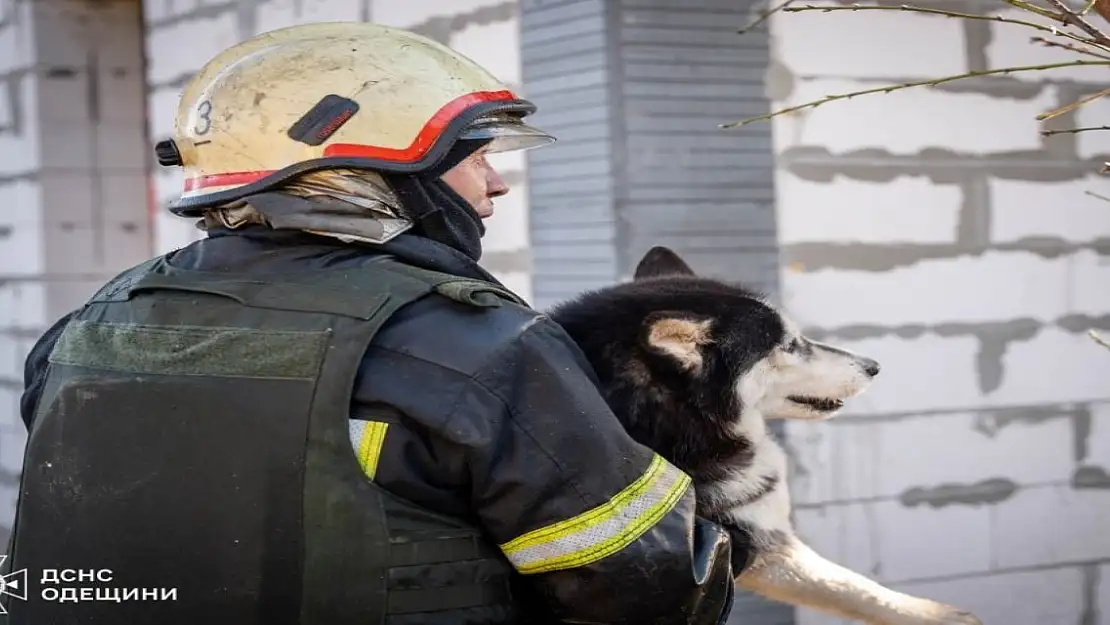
<point x="765" y="15"/>
<point x="1072" y="131"/>
<point x="1096" y="195"/>
<point x="1071" y="47"/>
<point x="1098" y="339"/>
<point x="1080" y="22"/>
<point x="1074" y="105"/>
<point x="1032" y="8"/>
<point x="1087" y="7"/>
<point x="954" y="14"/>
<point x="932" y="82"/>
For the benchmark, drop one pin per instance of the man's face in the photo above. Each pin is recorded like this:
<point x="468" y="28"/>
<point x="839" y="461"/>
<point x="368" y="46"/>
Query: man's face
<point x="477" y="182"/>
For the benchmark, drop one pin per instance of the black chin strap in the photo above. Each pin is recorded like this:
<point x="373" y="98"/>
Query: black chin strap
<point x="437" y="211"/>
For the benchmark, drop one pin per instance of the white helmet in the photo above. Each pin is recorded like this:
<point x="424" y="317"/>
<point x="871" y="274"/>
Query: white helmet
<point x="319" y="96"/>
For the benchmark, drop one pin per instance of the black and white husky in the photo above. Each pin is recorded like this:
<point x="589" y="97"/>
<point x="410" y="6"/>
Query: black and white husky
<point x="693" y="367"/>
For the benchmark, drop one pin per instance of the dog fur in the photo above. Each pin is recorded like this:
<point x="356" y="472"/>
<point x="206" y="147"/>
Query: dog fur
<point x="693" y="367"/>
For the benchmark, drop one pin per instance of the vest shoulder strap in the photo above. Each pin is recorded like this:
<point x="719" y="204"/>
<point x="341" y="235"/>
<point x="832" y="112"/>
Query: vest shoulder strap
<point x="353" y="293"/>
<point x="464" y="290"/>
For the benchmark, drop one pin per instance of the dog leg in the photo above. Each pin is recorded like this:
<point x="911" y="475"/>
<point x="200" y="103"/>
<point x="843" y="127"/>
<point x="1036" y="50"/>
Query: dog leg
<point x="791" y="572"/>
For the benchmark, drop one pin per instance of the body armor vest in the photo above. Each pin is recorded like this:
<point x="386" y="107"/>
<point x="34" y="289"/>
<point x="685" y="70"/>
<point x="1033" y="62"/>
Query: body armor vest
<point x="191" y="447"/>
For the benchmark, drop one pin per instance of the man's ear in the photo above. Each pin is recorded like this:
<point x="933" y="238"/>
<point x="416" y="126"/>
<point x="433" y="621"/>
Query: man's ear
<point x="679" y="335"/>
<point x="661" y="261"/>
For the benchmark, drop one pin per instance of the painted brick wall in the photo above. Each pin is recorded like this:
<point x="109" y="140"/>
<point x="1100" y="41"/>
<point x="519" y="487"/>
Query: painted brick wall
<point x="21" y="257"/>
<point x="936" y="231"/>
<point x="73" y="200"/>
<point x="182" y="35"/>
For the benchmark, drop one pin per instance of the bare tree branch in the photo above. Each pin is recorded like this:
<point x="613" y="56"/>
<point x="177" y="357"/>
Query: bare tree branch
<point x="1032" y="8"/>
<point x="765" y="15"/>
<point x="1072" y="131"/>
<point x="932" y="82"/>
<point x="1080" y="22"/>
<point x="1048" y="43"/>
<point x="1098" y="339"/>
<point x="955" y="14"/>
<point x="1074" y="105"/>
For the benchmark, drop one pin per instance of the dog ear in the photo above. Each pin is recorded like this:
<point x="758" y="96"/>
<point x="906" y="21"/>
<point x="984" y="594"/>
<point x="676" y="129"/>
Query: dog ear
<point x="661" y="261"/>
<point x="679" y="335"/>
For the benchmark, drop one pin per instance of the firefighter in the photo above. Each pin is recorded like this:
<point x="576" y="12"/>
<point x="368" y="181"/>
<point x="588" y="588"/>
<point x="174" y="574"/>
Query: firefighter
<point x="326" y="412"/>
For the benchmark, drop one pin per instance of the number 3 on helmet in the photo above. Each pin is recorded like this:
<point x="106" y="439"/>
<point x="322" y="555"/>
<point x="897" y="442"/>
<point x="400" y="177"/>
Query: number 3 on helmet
<point x="327" y="95"/>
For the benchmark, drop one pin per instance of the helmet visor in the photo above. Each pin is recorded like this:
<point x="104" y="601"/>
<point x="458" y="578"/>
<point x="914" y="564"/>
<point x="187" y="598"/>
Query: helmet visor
<point x="506" y="133"/>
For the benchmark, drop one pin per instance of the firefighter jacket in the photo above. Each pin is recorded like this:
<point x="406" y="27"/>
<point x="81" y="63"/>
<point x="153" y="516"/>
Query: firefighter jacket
<point x="285" y="429"/>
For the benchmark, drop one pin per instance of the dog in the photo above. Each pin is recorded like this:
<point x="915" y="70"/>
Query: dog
<point x="693" y="367"/>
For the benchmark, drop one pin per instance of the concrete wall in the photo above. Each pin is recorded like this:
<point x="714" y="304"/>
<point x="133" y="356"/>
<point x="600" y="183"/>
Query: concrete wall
<point x="635" y="90"/>
<point x="936" y="231"/>
<point x="73" y="200"/>
<point x="183" y="34"/>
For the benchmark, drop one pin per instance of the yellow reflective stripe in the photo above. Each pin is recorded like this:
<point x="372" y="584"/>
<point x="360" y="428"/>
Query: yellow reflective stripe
<point x="604" y="530"/>
<point x="367" y="437"/>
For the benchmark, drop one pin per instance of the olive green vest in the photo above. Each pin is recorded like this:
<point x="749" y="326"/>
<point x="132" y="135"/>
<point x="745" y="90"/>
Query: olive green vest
<point x="190" y="462"/>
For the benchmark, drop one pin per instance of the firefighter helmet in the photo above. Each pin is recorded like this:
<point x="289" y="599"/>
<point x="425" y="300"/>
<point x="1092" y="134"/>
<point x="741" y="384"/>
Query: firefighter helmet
<point x="332" y="95"/>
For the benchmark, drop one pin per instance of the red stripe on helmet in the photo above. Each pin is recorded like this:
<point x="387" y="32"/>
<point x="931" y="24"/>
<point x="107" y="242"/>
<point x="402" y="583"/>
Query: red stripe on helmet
<point x="427" y="136"/>
<point x="424" y="140"/>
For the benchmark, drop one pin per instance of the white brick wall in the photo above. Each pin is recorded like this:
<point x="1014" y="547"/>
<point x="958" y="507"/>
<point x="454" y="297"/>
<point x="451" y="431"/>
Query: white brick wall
<point x="1018" y="598"/>
<point x="891" y="542"/>
<point x="414" y="12"/>
<point x="908" y="210"/>
<point x="72" y="177"/>
<point x="19" y="142"/>
<point x="972" y="296"/>
<point x="1098" y="448"/>
<point x="1026" y="209"/>
<point x="177" y="50"/>
<point x="994" y="551"/>
<point x="1021" y="285"/>
<point x="857" y="460"/>
<point x="21" y="246"/>
<point x="1075" y="521"/>
<point x="867" y="44"/>
<point x="282" y="13"/>
<point x="909" y="121"/>
<point x="1093" y="115"/>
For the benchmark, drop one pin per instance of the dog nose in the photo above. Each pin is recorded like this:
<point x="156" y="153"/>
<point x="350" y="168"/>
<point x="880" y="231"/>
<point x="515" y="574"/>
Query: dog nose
<point x="870" y="367"/>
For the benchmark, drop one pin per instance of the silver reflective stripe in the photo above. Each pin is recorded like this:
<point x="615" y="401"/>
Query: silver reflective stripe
<point x="604" y="530"/>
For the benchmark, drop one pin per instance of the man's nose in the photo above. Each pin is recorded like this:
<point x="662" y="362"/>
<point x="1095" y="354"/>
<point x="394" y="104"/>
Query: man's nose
<point x="495" y="185"/>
